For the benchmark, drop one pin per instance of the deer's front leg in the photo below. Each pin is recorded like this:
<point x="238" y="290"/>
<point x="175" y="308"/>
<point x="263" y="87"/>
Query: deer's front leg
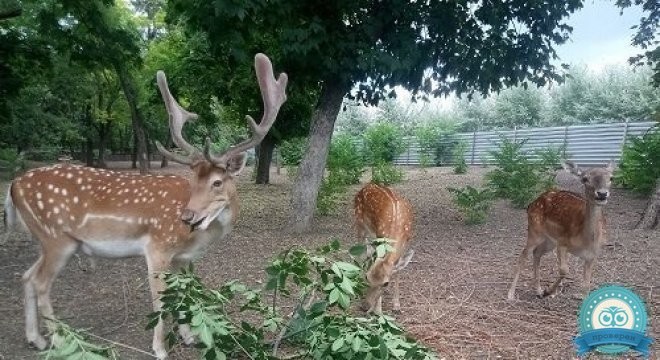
<point x="586" y="276"/>
<point x="156" y="264"/>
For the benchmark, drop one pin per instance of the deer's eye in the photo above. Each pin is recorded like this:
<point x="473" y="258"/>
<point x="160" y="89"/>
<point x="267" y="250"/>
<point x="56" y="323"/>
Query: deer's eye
<point x="217" y="183"/>
<point x="585" y="179"/>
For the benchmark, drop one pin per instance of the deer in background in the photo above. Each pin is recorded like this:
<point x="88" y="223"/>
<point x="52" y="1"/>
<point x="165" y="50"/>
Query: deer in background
<point x="570" y="223"/>
<point x="166" y="219"/>
<point x="382" y="213"/>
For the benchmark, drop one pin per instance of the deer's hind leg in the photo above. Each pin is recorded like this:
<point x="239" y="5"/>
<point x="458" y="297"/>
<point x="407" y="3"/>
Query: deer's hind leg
<point x="534" y="240"/>
<point x="537" y="254"/>
<point x="38" y="281"/>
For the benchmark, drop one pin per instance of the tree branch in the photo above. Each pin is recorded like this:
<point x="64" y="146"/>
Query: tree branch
<point x="11" y="13"/>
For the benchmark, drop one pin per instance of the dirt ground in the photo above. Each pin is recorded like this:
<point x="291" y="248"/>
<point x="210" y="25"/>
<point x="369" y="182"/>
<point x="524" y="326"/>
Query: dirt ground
<point x="453" y="293"/>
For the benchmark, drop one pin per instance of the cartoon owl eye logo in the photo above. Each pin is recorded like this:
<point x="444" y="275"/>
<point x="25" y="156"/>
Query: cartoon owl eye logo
<point x="613" y="316"/>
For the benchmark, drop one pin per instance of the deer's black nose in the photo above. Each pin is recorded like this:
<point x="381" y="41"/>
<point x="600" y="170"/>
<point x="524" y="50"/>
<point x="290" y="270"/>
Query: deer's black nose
<point x="187" y="216"/>
<point x="600" y="195"/>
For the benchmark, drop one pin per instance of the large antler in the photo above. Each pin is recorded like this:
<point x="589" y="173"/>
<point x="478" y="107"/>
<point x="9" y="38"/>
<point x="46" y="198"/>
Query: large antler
<point x="178" y="117"/>
<point x="273" y="93"/>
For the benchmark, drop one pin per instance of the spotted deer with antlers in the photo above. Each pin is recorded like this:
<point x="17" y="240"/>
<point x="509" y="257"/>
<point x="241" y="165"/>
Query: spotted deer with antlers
<point x="382" y="213"/>
<point x="568" y="222"/>
<point x="166" y="219"/>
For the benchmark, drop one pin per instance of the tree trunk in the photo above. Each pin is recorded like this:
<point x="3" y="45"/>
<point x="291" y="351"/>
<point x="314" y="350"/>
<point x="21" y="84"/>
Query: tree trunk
<point x="311" y="169"/>
<point x="651" y="216"/>
<point x="128" y="85"/>
<point x="104" y="131"/>
<point x="168" y="144"/>
<point x="265" y="156"/>
<point x="89" y="152"/>
<point x="134" y="153"/>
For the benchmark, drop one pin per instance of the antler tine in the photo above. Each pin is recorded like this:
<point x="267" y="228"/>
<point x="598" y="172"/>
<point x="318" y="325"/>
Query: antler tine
<point x="273" y="94"/>
<point x="178" y="116"/>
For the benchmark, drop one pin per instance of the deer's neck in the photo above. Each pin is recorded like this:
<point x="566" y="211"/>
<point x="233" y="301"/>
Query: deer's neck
<point x="592" y="227"/>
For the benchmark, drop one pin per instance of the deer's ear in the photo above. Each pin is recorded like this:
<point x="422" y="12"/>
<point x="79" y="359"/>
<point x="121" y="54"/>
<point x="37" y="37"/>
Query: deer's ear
<point x="610" y="166"/>
<point x="236" y="163"/>
<point x="572" y="168"/>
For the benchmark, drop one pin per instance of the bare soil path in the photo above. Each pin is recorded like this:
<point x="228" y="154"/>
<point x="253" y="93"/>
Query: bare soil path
<point x="453" y="293"/>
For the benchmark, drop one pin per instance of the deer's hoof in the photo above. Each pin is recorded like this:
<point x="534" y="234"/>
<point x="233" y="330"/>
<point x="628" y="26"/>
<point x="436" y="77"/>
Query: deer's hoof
<point x="38" y="342"/>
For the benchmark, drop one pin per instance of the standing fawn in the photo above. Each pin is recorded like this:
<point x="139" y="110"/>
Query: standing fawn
<point x="382" y="213"/>
<point x="111" y="214"/>
<point x="570" y="223"/>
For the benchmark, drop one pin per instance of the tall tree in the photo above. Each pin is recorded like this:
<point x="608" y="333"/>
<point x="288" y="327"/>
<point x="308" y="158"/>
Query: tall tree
<point x="100" y="34"/>
<point x="429" y="47"/>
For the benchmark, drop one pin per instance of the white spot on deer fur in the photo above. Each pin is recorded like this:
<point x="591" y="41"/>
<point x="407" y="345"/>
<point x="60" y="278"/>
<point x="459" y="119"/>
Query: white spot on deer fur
<point x="56" y="210"/>
<point x="69" y="175"/>
<point x="171" y="227"/>
<point x="38" y="195"/>
<point x="56" y="190"/>
<point x="30" y="174"/>
<point x="126" y="201"/>
<point x="64" y="192"/>
<point x="136" y="200"/>
<point x="79" y="181"/>
<point x="59" y="221"/>
<point x="85" y="204"/>
<point x="56" y="172"/>
<point x="48" y="215"/>
<point x="72" y="218"/>
<point x="164" y="193"/>
<point x="75" y="199"/>
<point x="133" y="181"/>
<point x="50" y="201"/>
<point x="40" y="205"/>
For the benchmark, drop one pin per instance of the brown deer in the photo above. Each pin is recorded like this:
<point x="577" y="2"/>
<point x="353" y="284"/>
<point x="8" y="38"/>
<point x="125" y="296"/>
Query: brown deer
<point x="569" y="222"/>
<point x="113" y="214"/>
<point x="382" y="213"/>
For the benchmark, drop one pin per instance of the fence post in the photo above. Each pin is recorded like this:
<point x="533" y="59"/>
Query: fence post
<point x="474" y="144"/>
<point x="515" y="134"/>
<point x="565" y="141"/>
<point x="625" y="135"/>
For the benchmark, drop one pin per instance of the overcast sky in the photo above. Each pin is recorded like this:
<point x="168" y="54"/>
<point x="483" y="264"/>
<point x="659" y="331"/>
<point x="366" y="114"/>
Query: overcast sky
<point x="601" y="35"/>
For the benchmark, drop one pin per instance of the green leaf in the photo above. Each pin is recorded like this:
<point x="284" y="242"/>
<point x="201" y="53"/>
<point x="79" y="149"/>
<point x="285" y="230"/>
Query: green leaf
<point x="357" y="250"/>
<point x="205" y="335"/>
<point x="356" y="344"/>
<point x="334" y="296"/>
<point x="344" y="300"/>
<point x="337" y="344"/>
<point x="347" y="266"/>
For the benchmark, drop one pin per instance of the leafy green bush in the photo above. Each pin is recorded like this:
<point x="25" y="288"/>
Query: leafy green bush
<point x="460" y="165"/>
<point x="331" y="192"/>
<point x="345" y="161"/>
<point x="519" y="178"/>
<point x="640" y="163"/>
<point x="386" y="174"/>
<point x="292" y="151"/>
<point x="323" y="284"/>
<point x="428" y="136"/>
<point x="472" y="203"/>
<point x="11" y="163"/>
<point x="384" y="142"/>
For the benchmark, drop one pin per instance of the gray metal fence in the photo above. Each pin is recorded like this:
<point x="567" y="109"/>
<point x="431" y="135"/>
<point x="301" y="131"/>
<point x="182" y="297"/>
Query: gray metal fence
<point x="587" y="145"/>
